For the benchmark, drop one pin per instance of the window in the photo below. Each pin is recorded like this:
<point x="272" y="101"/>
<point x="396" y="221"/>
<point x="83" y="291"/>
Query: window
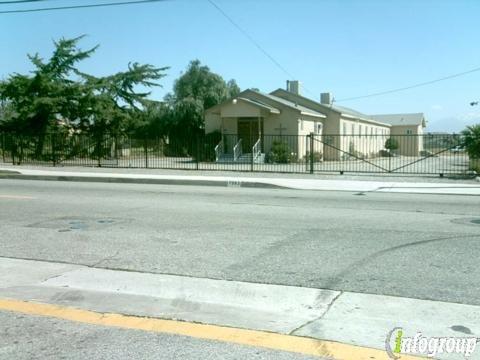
<point x="344" y="128"/>
<point x="353" y="129"/>
<point x="360" y="130"/>
<point x="409" y="132"/>
<point x="318" y="128"/>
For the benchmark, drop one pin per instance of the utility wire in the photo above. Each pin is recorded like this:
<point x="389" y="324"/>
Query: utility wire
<point x="20" y="1"/>
<point x="80" y="6"/>
<point x="249" y="37"/>
<point x="411" y="86"/>
<point x="254" y="42"/>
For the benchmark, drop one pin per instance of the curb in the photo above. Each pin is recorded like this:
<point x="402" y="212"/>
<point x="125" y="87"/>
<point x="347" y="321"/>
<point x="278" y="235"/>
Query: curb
<point x="328" y="349"/>
<point x="245" y="182"/>
<point x="121" y="180"/>
<point x="254" y="314"/>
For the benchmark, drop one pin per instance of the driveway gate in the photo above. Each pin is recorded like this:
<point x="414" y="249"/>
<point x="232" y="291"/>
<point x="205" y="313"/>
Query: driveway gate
<point x="405" y="154"/>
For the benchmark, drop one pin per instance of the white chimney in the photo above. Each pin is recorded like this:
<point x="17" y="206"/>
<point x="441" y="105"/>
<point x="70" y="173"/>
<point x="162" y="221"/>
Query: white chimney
<point x="293" y="86"/>
<point x="326" y="98"/>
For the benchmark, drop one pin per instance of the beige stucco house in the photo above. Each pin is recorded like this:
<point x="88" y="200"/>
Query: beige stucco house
<point x="346" y="131"/>
<point x="252" y="121"/>
<point x="407" y="129"/>
<point x="253" y="118"/>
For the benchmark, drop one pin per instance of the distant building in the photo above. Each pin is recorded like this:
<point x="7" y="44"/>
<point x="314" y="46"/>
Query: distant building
<point x="406" y="124"/>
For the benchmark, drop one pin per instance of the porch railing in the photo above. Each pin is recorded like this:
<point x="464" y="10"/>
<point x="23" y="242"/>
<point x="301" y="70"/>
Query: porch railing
<point x="256" y="150"/>
<point x="219" y="150"/>
<point x="237" y="150"/>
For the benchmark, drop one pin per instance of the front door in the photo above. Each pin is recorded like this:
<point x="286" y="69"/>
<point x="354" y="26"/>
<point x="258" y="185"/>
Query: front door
<point x="247" y="130"/>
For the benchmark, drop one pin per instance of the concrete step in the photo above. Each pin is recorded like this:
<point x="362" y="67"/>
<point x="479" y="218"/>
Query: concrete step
<point x="243" y="159"/>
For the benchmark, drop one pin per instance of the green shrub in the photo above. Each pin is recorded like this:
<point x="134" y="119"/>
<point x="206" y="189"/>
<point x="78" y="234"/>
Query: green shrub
<point x="317" y="156"/>
<point x="475" y="165"/>
<point x="280" y="153"/>
<point x="391" y="144"/>
<point x="472" y="141"/>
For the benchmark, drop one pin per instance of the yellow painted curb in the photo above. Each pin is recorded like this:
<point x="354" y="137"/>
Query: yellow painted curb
<point x="296" y="344"/>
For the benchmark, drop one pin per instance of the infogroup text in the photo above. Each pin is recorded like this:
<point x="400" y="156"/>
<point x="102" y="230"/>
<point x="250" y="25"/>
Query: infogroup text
<point x="396" y="344"/>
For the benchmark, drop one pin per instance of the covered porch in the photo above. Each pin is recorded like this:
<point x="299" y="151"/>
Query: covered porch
<point x="246" y="140"/>
<point x="242" y="126"/>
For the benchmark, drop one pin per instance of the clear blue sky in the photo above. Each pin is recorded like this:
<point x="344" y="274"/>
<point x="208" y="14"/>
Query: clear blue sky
<point x="350" y="48"/>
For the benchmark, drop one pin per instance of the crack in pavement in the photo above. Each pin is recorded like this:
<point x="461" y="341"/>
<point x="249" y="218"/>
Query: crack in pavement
<point x="329" y="306"/>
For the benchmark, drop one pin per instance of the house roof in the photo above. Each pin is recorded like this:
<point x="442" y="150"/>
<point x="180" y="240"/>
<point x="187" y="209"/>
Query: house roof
<point x="336" y="108"/>
<point x="260" y="104"/>
<point x="348" y="111"/>
<point x="401" y="119"/>
<point x="385" y="119"/>
<point x="290" y="104"/>
<point x="256" y="100"/>
<point x="278" y="96"/>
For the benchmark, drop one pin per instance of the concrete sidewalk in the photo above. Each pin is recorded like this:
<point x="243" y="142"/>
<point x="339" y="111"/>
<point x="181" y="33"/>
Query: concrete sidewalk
<point x="362" y="184"/>
<point x="361" y="320"/>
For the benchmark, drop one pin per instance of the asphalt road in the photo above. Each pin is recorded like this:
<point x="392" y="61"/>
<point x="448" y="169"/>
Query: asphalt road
<point x="419" y="246"/>
<point x="25" y="337"/>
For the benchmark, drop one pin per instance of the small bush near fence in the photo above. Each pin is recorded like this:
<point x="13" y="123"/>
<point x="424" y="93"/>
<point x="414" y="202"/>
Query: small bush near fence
<point x="317" y="157"/>
<point x="475" y="165"/>
<point x="280" y="153"/>
<point x="391" y="144"/>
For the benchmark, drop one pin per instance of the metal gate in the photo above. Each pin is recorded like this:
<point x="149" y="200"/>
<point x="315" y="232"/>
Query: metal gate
<point x="367" y="153"/>
<point x="402" y="154"/>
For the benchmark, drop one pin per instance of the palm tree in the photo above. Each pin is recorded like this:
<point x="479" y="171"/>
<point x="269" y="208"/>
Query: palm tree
<point x="472" y="141"/>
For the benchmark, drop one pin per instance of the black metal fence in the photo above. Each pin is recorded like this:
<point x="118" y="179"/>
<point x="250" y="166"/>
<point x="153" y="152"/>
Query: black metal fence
<point x="370" y="153"/>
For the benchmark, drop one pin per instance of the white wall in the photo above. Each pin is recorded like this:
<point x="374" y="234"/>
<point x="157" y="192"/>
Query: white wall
<point x="306" y="126"/>
<point x="409" y="145"/>
<point x="366" y="138"/>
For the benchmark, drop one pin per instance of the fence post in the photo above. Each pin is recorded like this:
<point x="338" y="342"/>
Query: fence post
<point x="390" y="160"/>
<point x="52" y="143"/>
<point x="145" y="146"/>
<point x="115" y="150"/>
<point x="20" y="155"/>
<point x="311" y="152"/>
<point x="3" y="147"/>
<point x="98" y="146"/>
<point x="13" y="140"/>
<point x="197" y="145"/>
<point x="251" y="161"/>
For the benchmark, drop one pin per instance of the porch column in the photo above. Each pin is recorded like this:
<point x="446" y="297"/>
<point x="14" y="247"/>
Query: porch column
<point x="259" y="127"/>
